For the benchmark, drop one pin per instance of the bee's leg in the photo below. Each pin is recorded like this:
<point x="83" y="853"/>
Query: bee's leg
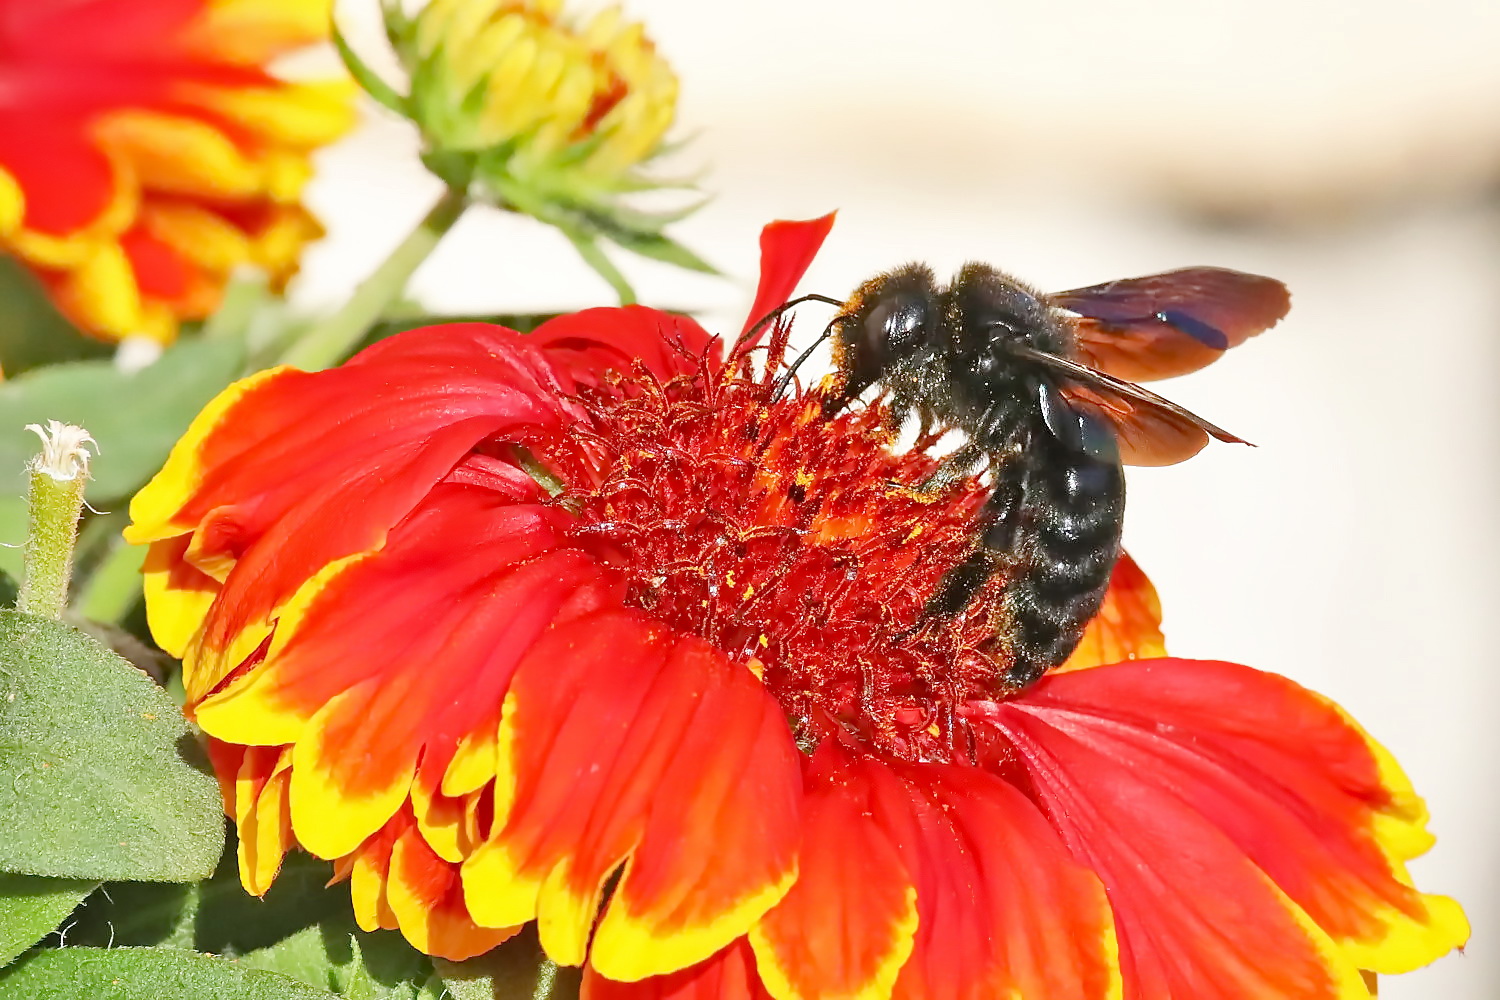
<point x="953" y="468"/>
<point x="996" y="547"/>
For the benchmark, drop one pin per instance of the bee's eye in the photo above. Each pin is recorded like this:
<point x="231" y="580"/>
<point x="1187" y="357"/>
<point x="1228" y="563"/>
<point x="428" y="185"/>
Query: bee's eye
<point x="895" y="326"/>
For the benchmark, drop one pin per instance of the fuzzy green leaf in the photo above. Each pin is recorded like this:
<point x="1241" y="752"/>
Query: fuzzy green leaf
<point x="144" y="974"/>
<point x="301" y="928"/>
<point x="351" y="963"/>
<point x="31" y="907"/>
<point x="100" y="775"/>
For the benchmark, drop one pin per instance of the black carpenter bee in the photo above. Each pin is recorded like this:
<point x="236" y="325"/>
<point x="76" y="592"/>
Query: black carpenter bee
<point x="1042" y="388"/>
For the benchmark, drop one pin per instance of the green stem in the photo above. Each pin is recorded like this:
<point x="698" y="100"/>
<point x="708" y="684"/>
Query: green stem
<point x="330" y="341"/>
<point x="58" y="477"/>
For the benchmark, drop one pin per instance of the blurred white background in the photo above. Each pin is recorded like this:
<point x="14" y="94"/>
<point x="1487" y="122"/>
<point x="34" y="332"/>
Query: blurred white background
<point x="1350" y="149"/>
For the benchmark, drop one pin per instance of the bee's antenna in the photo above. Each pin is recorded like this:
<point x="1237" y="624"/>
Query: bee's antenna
<point x="786" y="376"/>
<point x="768" y="317"/>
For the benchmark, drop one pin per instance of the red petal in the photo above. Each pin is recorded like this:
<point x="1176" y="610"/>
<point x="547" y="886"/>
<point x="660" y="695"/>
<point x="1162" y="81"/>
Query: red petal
<point x="349" y="674"/>
<point x="287" y="472"/>
<point x="728" y="975"/>
<point x="586" y="344"/>
<point x="68" y="183"/>
<point x="622" y="740"/>
<point x="1245" y="829"/>
<point x="94" y="27"/>
<point x="1000" y="907"/>
<point x="787" y="250"/>
<point x="846" y="927"/>
<point x="1002" y="911"/>
<point x="160" y="271"/>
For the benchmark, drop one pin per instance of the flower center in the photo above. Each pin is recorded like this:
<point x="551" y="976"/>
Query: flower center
<point x="794" y="544"/>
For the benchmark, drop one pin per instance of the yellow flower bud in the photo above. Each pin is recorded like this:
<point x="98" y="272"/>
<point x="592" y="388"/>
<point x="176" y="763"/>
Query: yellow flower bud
<point x="522" y="106"/>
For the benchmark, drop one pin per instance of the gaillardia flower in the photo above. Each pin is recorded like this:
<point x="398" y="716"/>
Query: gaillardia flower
<point x="145" y="152"/>
<point x="587" y="628"/>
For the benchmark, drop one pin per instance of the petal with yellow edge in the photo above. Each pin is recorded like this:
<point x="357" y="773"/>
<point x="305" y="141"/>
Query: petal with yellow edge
<point x="1002" y="910"/>
<point x="290" y="490"/>
<point x="1258" y="812"/>
<point x="624" y="742"/>
<point x="426" y="896"/>
<point x="345" y="685"/>
<point x="728" y="975"/>
<point x="846" y="927"/>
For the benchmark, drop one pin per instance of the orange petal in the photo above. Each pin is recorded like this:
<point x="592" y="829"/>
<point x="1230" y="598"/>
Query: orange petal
<point x="180" y="155"/>
<point x="250" y="32"/>
<point x="265" y="835"/>
<point x="1001" y="909"/>
<point x="349" y="674"/>
<point x="369" y="879"/>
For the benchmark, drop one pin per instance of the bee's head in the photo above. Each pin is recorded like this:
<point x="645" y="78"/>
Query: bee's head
<point x="887" y="320"/>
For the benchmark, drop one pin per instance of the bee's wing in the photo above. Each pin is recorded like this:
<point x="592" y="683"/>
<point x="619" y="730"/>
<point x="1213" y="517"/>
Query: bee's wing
<point x="1150" y="430"/>
<point x="1171" y="323"/>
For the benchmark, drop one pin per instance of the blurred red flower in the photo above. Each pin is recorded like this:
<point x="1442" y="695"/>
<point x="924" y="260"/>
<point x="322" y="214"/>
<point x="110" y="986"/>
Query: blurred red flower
<point x="586" y="628"/>
<point x="145" y="151"/>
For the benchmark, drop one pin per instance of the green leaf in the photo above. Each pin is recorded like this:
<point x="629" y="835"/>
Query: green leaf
<point x="517" y="970"/>
<point x="32" y="331"/>
<point x="135" y="417"/>
<point x="216" y="915"/>
<point x="31" y="907"/>
<point x="301" y="928"/>
<point x="351" y="963"/>
<point x="144" y="974"/>
<point x="12" y="535"/>
<point x="100" y="775"/>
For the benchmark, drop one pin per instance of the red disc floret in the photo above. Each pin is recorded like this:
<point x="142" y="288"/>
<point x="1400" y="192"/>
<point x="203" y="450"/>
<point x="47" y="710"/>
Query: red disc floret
<point x="792" y="542"/>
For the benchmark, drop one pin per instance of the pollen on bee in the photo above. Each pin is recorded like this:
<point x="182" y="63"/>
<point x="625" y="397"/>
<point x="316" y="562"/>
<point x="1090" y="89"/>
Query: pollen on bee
<point x="756" y="667"/>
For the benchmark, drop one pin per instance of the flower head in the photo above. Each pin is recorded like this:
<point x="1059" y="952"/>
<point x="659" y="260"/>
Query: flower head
<point x="588" y="628"/>
<point x="534" y="111"/>
<point x="145" y="152"/>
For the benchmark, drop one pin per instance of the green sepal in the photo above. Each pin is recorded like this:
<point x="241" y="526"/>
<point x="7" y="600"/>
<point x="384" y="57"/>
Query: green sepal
<point x="369" y="81"/>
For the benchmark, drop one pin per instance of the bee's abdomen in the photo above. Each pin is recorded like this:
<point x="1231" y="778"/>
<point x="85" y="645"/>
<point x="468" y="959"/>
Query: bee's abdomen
<point x="1071" y="517"/>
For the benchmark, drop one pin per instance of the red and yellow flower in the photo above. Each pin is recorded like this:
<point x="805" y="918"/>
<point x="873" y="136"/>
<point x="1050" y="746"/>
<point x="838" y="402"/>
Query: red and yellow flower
<point x="145" y="151"/>
<point x="585" y="628"/>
